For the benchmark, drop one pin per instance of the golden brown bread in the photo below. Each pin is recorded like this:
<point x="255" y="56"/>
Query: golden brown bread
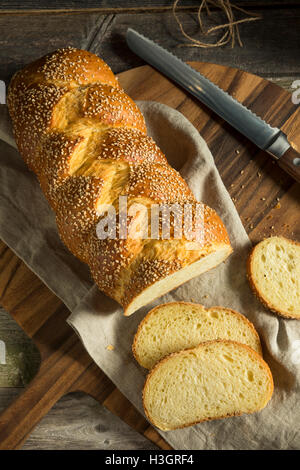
<point x="86" y="141"/>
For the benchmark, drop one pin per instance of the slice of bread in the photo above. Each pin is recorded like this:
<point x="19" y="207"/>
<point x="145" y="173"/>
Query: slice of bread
<point x="175" y="326"/>
<point x="217" y="379"/>
<point x="274" y="275"/>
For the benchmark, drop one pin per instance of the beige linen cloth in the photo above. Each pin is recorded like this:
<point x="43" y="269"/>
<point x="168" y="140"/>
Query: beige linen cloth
<point x="27" y="225"/>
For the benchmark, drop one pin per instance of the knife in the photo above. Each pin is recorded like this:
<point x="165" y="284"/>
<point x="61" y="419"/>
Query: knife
<point x="270" y="139"/>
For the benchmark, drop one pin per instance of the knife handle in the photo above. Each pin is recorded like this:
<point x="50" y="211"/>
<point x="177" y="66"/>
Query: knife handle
<point x="290" y="162"/>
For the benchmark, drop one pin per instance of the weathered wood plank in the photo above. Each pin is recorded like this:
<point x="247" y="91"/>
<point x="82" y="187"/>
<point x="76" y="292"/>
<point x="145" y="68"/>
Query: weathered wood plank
<point x="44" y="5"/>
<point x="21" y="46"/>
<point x="22" y="357"/>
<point x="283" y="82"/>
<point x="264" y="43"/>
<point x="79" y="422"/>
<point x="92" y="4"/>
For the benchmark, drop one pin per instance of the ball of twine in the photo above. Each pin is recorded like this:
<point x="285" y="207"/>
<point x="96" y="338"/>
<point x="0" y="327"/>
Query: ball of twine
<point x="231" y="27"/>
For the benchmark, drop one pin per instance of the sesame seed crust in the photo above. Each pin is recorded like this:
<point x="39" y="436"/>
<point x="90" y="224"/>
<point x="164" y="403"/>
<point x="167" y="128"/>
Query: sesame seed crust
<point x="86" y="140"/>
<point x="112" y="107"/>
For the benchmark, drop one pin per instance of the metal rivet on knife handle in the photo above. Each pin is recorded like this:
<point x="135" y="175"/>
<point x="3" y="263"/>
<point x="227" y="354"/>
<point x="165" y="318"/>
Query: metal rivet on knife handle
<point x="290" y="162"/>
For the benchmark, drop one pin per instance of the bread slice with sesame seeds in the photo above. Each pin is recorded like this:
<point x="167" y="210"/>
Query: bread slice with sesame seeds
<point x="274" y="275"/>
<point x="217" y="379"/>
<point x="175" y="326"/>
<point x="87" y="142"/>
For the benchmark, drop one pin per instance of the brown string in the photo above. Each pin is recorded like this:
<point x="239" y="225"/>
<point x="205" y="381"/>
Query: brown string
<point x="231" y="27"/>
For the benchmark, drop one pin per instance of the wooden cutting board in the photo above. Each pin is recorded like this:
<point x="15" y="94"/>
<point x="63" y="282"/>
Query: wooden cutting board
<point x="267" y="200"/>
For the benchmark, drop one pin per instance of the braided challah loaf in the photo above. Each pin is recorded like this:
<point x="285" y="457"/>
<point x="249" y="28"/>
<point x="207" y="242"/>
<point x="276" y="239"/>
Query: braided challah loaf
<point x="86" y="140"/>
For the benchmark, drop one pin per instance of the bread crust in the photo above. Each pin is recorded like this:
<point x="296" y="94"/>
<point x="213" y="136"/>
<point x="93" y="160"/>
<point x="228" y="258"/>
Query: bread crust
<point x="86" y="140"/>
<point x="202" y="345"/>
<point x="192" y="304"/>
<point x="255" y="288"/>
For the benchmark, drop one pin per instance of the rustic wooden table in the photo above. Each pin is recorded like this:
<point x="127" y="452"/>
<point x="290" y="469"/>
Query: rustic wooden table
<point x="27" y="31"/>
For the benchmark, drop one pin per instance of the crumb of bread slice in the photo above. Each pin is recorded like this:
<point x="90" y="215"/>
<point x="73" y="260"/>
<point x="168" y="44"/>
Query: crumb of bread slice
<point x="274" y="275"/>
<point x="215" y="380"/>
<point x="209" y="261"/>
<point x="174" y="326"/>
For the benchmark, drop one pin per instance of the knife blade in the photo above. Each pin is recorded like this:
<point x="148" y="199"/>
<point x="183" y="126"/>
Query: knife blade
<point x="268" y="138"/>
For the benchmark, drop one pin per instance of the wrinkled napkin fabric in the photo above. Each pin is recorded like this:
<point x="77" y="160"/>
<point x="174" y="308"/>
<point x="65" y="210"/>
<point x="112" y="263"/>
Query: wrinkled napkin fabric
<point x="27" y="226"/>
